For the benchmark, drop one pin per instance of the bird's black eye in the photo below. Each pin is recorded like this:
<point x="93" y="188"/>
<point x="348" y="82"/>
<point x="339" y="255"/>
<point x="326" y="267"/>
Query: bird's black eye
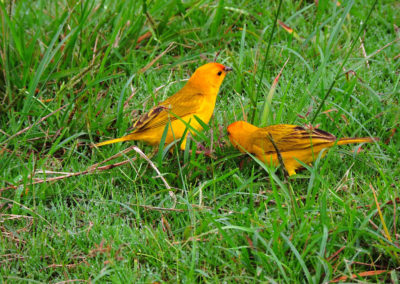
<point x="219" y="73"/>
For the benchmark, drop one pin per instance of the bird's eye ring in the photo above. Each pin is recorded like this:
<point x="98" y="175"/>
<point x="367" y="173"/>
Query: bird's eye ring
<point x="219" y="73"/>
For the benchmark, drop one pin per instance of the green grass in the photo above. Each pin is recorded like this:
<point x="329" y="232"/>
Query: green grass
<point x="234" y="220"/>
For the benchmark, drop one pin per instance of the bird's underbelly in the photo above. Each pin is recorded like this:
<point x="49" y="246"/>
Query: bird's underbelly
<point x="291" y="158"/>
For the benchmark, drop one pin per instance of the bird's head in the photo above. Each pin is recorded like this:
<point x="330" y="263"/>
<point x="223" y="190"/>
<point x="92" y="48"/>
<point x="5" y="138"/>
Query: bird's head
<point x="209" y="75"/>
<point x="239" y="133"/>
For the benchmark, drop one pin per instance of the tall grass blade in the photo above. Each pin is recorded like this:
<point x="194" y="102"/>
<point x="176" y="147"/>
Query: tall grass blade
<point x="338" y="73"/>
<point x="274" y="24"/>
<point x="267" y="104"/>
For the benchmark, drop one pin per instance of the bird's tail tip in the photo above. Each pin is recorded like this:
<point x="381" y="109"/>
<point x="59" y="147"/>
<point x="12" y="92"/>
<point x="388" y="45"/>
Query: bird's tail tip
<point x="112" y="141"/>
<point x="358" y="140"/>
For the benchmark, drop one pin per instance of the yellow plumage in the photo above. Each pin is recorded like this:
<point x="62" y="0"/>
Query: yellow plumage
<point x="196" y="98"/>
<point x="293" y="142"/>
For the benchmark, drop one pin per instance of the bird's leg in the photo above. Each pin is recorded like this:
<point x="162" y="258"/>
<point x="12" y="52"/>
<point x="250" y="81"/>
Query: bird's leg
<point x="203" y="150"/>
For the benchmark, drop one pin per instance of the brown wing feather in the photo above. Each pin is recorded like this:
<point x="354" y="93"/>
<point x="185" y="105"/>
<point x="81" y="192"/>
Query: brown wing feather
<point x="169" y="110"/>
<point x="148" y="116"/>
<point x="290" y="137"/>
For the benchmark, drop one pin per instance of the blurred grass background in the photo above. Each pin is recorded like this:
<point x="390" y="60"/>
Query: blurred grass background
<point x="77" y="72"/>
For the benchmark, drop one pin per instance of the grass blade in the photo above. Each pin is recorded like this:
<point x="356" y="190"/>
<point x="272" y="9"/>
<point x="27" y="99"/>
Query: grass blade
<point x="299" y="258"/>
<point x="265" y="115"/>
<point x="271" y="35"/>
<point x="338" y="73"/>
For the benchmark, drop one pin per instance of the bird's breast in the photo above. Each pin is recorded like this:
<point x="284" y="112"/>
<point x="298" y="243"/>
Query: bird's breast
<point x="207" y="109"/>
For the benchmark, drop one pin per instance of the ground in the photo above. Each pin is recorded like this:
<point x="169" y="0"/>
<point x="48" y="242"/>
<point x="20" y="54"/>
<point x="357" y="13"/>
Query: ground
<point x="74" y="73"/>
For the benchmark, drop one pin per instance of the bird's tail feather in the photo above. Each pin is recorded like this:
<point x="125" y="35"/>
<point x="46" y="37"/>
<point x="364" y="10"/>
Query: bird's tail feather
<point x="349" y="140"/>
<point x="112" y="141"/>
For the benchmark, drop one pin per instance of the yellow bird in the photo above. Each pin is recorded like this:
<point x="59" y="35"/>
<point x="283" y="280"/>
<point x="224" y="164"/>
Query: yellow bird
<point x="293" y="142"/>
<point x="196" y="98"/>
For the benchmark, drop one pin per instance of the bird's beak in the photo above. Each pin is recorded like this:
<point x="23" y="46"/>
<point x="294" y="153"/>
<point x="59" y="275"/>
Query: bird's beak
<point x="227" y="69"/>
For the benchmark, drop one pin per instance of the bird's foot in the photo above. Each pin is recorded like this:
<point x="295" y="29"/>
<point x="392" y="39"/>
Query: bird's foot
<point x="203" y="150"/>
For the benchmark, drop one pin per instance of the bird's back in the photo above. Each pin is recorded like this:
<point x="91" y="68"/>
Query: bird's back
<point x="290" y="137"/>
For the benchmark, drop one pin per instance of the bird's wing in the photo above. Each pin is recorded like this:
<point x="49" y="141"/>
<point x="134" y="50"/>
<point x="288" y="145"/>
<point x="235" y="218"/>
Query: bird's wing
<point x="169" y="110"/>
<point x="289" y="137"/>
